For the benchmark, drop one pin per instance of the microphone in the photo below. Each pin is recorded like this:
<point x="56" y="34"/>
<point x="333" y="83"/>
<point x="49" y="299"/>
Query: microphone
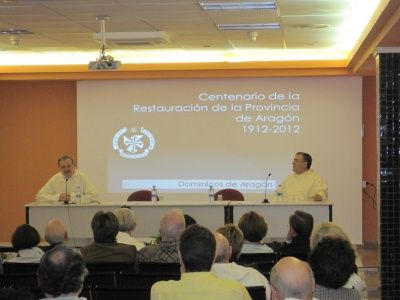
<point x="66" y="191"/>
<point x="265" y="190"/>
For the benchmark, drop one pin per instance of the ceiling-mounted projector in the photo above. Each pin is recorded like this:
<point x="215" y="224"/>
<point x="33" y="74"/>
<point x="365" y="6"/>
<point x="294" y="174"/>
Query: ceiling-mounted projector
<point x="104" y="62"/>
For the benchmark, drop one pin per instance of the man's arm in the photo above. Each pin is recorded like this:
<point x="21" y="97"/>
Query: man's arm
<point x="322" y="190"/>
<point x="47" y="193"/>
<point x="89" y="191"/>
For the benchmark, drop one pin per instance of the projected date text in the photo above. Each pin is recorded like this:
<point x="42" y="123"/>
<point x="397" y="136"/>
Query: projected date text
<point x="268" y="129"/>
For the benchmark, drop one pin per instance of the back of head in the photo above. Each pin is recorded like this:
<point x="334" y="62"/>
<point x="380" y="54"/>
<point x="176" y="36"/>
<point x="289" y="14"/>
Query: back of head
<point x="172" y="225"/>
<point x="197" y="249"/>
<point x="126" y="219"/>
<point x="332" y="261"/>
<point x="291" y="278"/>
<point x="235" y="238"/>
<point x="223" y="251"/>
<point x="327" y="229"/>
<point x="25" y="237"/>
<point x="302" y="223"/>
<point x="253" y="226"/>
<point x="189" y="220"/>
<point x="61" y="272"/>
<point x="105" y="227"/>
<point x="55" y="232"/>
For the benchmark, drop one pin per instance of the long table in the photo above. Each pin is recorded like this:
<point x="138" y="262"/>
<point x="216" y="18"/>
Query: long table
<point x="77" y="217"/>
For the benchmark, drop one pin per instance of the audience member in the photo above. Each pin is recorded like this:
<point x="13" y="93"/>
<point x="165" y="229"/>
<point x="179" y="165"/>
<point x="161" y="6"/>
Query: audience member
<point x="196" y="255"/>
<point x="332" y="261"/>
<point x="25" y="240"/>
<point x="222" y="268"/>
<point x="292" y="278"/>
<point x="330" y="229"/>
<point x="105" y="247"/>
<point x="298" y="237"/>
<point x="172" y="225"/>
<point x="55" y="232"/>
<point x="61" y="273"/>
<point x="67" y="184"/>
<point x="127" y="224"/>
<point x="189" y="220"/>
<point x="254" y="229"/>
<point x="235" y="238"/>
<point x="304" y="183"/>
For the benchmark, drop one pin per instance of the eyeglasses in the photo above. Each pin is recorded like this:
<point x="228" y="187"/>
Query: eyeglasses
<point x="296" y="160"/>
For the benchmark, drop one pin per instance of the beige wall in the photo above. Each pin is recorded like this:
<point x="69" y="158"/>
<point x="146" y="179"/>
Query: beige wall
<point x="37" y="124"/>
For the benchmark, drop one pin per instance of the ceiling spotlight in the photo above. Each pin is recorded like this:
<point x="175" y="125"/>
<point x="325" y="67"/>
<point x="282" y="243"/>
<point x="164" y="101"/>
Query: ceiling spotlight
<point x="252" y="35"/>
<point x="15" y="39"/>
<point x="15" y="35"/>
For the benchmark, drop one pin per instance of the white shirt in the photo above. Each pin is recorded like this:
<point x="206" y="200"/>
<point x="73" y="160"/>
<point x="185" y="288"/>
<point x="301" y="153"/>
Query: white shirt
<point x="126" y="238"/>
<point x="355" y="282"/>
<point x="249" y="247"/>
<point x="245" y="275"/>
<point x="304" y="186"/>
<point x="57" y="185"/>
<point x="32" y="255"/>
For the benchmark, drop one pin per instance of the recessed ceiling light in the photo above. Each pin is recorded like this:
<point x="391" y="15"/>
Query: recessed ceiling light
<point x="14" y="31"/>
<point x="249" y="26"/>
<point x="237" y="6"/>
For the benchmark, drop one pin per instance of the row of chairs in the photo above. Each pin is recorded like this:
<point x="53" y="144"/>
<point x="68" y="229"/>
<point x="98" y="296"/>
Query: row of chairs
<point x="226" y="194"/>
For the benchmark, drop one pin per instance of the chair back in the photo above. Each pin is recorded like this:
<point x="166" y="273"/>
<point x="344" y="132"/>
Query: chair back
<point x="111" y="293"/>
<point x="18" y="268"/>
<point x="145" y="280"/>
<point x="141" y="195"/>
<point x="257" y="292"/>
<point x="155" y="267"/>
<point x="229" y="194"/>
<point x="111" y="267"/>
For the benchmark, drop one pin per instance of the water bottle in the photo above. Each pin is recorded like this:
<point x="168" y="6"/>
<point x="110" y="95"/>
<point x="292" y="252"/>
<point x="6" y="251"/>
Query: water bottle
<point x="211" y="194"/>
<point x="279" y="193"/>
<point x="78" y="194"/>
<point x="154" y="196"/>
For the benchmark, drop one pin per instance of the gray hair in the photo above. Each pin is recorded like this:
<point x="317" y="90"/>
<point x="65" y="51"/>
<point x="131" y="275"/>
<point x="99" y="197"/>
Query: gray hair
<point x="126" y="218"/>
<point x="327" y="229"/>
<point x="172" y="225"/>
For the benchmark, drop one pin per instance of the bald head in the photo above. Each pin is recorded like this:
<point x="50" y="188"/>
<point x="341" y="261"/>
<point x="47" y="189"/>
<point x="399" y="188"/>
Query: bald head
<point x="55" y="232"/>
<point x="292" y="278"/>
<point x="223" y="251"/>
<point x="172" y="225"/>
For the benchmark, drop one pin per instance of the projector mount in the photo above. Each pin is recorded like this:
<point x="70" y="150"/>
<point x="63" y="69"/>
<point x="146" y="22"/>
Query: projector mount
<point x="103" y="62"/>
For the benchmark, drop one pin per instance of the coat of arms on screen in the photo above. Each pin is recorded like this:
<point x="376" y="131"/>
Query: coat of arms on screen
<point x="133" y="143"/>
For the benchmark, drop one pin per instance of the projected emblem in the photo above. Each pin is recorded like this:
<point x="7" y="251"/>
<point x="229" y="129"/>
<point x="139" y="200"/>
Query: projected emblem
<point x="133" y="143"/>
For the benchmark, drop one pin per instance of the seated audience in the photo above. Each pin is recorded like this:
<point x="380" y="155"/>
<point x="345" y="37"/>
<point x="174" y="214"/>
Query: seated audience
<point x="25" y="240"/>
<point x="297" y="242"/>
<point x="55" y="232"/>
<point x="172" y="225"/>
<point x="196" y="255"/>
<point x="61" y="273"/>
<point x="222" y="268"/>
<point x="189" y="220"/>
<point x="127" y="224"/>
<point x="254" y="229"/>
<point x="105" y="247"/>
<point x="235" y="238"/>
<point x="330" y="229"/>
<point x="292" y="278"/>
<point x="332" y="261"/>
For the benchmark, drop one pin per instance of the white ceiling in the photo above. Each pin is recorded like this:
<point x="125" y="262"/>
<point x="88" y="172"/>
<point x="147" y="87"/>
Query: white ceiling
<point x="70" y="24"/>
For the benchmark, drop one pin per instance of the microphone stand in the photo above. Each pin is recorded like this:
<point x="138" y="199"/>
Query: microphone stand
<point x="265" y="190"/>
<point x="66" y="191"/>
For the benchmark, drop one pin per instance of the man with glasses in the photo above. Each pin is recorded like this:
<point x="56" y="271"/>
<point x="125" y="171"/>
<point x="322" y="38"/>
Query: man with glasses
<point x="304" y="183"/>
